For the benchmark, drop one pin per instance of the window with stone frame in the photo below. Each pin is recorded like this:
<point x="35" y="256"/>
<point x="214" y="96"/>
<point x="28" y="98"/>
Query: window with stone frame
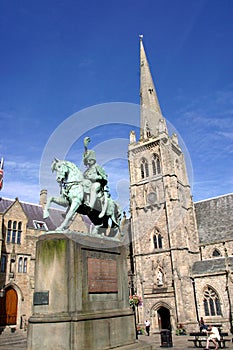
<point x="156" y="168"/>
<point x="211" y="302"/>
<point x="20" y="265"/>
<point x="14" y="232"/>
<point x="25" y="264"/>
<point x="157" y="240"/>
<point x="19" y="232"/>
<point x="144" y="168"/>
<point x="3" y="263"/>
<point x="9" y="228"/>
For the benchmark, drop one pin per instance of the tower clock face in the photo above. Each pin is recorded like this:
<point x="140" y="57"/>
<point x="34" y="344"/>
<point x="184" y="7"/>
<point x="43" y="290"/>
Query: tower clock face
<point x="152" y="198"/>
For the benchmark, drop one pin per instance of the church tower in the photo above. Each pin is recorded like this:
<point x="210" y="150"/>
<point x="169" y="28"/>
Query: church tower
<point x="164" y="232"/>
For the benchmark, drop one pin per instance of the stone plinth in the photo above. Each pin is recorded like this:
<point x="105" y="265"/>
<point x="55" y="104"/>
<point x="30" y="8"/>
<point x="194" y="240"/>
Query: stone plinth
<point x="81" y="295"/>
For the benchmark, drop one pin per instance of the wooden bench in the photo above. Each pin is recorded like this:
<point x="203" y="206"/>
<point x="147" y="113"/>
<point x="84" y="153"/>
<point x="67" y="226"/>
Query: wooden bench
<point x="222" y="342"/>
<point x="198" y="343"/>
<point x="199" y="340"/>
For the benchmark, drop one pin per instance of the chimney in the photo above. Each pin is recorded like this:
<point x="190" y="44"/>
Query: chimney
<point x="43" y="198"/>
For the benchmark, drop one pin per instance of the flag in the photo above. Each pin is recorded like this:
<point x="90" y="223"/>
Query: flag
<point x="1" y="173"/>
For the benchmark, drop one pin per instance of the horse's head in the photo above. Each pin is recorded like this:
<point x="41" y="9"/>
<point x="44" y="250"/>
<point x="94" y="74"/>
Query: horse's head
<point x="66" y="171"/>
<point x="61" y="168"/>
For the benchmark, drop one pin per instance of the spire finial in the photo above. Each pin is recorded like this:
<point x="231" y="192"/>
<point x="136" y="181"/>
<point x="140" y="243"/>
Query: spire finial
<point x="141" y="36"/>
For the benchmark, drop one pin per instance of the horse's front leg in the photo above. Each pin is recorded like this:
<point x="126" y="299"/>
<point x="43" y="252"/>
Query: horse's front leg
<point x="58" y="200"/>
<point x="46" y="209"/>
<point x="69" y="215"/>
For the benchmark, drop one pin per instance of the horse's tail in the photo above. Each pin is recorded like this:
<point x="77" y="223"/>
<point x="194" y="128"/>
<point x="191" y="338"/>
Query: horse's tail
<point x="104" y="205"/>
<point x="116" y="216"/>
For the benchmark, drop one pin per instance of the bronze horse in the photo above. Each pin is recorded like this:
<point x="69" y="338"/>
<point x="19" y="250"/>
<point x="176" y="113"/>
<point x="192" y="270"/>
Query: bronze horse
<point x="71" y="181"/>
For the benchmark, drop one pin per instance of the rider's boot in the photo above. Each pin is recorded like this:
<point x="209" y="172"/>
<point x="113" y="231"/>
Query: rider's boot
<point x="93" y="194"/>
<point x="92" y="199"/>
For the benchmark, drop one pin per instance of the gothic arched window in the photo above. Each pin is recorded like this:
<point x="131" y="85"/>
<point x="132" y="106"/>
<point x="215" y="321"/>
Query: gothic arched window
<point x="160" y="241"/>
<point x="212" y="306"/>
<point x="144" y="168"/>
<point x="156" y="168"/>
<point x="157" y="240"/>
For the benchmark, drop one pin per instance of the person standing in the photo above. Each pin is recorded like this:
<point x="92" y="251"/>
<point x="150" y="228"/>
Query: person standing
<point x="147" y="323"/>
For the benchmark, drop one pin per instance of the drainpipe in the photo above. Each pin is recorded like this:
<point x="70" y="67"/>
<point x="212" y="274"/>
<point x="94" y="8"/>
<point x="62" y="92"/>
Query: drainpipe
<point x="195" y="297"/>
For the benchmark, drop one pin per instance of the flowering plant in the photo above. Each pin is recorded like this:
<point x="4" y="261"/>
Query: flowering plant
<point x="135" y="300"/>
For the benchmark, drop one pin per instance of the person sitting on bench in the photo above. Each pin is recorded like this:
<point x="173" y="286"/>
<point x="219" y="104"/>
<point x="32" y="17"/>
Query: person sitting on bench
<point x="203" y="326"/>
<point x="213" y="334"/>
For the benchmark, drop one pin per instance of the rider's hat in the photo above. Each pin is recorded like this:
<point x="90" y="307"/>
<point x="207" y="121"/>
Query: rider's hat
<point x="88" y="155"/>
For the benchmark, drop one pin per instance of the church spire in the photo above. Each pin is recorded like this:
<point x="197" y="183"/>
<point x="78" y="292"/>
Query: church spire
<point x="151" y="119"/>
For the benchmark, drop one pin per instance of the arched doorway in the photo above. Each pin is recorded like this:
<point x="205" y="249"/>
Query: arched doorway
<point x="164" y="318"/>
<point x="8" y="308"/>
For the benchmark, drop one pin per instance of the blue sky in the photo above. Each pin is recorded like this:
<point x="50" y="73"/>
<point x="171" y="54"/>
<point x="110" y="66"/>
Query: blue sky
<point x="60" y="57"/>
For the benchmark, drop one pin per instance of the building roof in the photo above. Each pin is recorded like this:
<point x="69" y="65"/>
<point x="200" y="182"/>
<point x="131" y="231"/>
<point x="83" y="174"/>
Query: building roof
<point x="215" y="219"/>
<point x="35" y="212"/>
<point x="211" y="266"/>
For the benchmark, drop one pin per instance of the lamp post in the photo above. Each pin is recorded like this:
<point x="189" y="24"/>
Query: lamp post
<point x="131" y="293"/>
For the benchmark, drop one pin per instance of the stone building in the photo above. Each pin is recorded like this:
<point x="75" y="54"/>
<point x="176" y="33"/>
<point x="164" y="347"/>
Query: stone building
<point x="181" y="250"/>
<point x="21" y="224"/>
<point x="181" y="255"/>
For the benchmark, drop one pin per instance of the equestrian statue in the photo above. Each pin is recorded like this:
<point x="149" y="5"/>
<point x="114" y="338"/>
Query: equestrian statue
<point x="86" y="193"/>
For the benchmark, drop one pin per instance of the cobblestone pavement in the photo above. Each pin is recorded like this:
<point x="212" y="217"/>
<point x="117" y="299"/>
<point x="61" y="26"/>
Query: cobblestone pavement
<point x="19" y="342"/>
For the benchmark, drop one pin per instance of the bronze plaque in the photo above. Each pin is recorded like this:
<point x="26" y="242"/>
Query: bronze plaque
<point x="102" y="275"/>
<point x="41" y="298"/>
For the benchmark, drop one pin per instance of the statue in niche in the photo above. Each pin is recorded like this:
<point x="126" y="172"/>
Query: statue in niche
<point x="147" y="130"/>
<point x="150" y="194"/>
<point x="162" y="126"/>
<point x="86" y="194"/>
<point x="132" y="136"/>
<point x="160" y="278"/>
<point x="158" y="273"/>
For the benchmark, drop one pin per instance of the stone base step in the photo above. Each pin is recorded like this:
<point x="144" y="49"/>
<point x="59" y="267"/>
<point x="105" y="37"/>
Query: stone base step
<point x="9" y="337"/>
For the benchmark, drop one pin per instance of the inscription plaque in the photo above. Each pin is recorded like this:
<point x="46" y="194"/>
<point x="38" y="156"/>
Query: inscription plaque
<point x="41" y="298"/>
<point x="102" y="275"/>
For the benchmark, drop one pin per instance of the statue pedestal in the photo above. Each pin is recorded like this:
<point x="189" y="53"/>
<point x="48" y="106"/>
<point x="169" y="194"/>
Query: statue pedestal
<point x="81" y="295"/>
